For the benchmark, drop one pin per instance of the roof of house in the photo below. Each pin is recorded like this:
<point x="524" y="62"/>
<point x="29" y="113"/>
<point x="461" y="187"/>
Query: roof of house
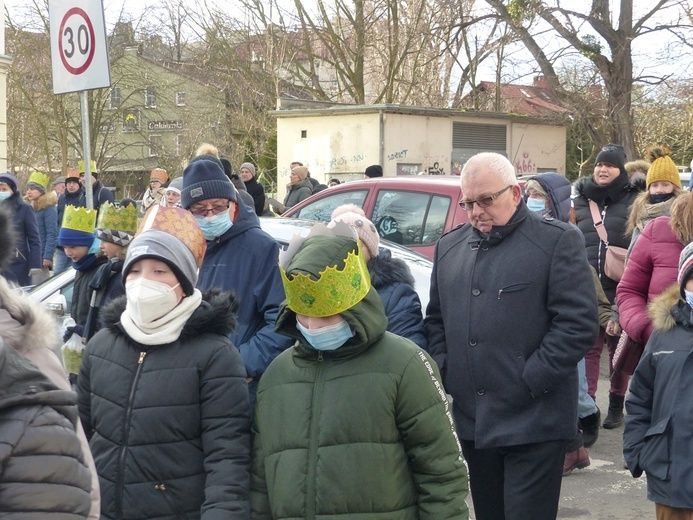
<point x="537" y="100"/>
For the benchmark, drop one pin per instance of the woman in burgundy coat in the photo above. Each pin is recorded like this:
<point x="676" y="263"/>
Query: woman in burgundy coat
<point x="653" y="266"/>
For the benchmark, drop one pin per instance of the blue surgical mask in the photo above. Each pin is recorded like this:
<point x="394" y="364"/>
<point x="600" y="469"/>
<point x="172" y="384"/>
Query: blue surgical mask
<point x="4" y="195"/>
<point x="214" y="226"/>
<point x="536" y="204"/>
<point x="689" y="297"/>
<point x="656" y="198"/>
<point x="327" y="338"/>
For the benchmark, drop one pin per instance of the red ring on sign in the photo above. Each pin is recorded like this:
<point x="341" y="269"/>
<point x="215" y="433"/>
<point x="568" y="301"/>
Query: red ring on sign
<point x="77" y="70"/>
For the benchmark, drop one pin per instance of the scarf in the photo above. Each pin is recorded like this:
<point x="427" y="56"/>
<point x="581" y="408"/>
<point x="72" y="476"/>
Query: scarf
<point x="164" y="330"/>
<point x="649" y="211"/>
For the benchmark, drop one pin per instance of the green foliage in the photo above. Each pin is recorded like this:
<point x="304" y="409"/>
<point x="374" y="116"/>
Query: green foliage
<point x="519" y="10"/>
<point x="267" y="162"/>
<point x="590" y="46"/>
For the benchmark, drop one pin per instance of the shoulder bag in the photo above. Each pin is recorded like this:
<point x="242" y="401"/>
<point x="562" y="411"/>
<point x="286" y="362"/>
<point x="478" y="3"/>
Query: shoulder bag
<point x="627" y="354"/>
<point x="615" y="257"/>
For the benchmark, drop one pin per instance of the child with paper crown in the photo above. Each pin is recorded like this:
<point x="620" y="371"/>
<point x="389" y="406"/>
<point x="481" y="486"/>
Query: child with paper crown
<point x="115" y="228"/>
<point x="164" y="387"/>
<point x="370" y="432"/>
<point x="45" y="204"/>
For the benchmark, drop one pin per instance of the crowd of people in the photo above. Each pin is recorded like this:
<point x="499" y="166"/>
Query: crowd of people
<point x="221" y="378"/>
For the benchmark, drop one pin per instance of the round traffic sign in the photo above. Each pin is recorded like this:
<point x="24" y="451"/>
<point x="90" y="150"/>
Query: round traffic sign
<point x="76" y="42"/>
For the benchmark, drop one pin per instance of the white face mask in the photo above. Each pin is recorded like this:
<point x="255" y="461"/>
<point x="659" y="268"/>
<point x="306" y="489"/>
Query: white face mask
<point x="148" y="300"/>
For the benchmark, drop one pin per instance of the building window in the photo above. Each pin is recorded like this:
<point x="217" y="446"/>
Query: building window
<point x="150" y="97"/>
<point x="154" y="145"/>
<point x="115" y="98"/>
<point x="304" y="134"/>
<point x="180" y="99"/>
<point x="131" y="120"/>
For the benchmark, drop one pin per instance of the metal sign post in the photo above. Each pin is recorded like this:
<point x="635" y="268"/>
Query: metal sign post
<point x="79" y="58"/>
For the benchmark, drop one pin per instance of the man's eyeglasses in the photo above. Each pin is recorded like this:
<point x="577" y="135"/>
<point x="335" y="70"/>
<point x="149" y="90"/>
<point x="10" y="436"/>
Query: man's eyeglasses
<point x="468" y="205"/>
<point x="202" y="210"/>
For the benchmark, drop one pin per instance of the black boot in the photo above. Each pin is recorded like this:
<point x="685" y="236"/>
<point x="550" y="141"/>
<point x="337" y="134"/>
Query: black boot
<point x="614" y="418"/>
<point x="590" y="428"/>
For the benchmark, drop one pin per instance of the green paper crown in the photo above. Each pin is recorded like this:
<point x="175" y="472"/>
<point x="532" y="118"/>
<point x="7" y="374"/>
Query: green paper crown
<point x="79" y="219"/>
<point x="80" y="166"/>
<point x="118" y="219"/>
<point x="41" y="179"/>
<point x="333" y="293"/>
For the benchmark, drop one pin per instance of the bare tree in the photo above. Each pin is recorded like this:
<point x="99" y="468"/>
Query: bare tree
<point x="609" y="49"/>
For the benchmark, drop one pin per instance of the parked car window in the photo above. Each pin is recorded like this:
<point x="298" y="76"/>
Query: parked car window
<point x="410" y="218"/>
<point x="322" y="209"/>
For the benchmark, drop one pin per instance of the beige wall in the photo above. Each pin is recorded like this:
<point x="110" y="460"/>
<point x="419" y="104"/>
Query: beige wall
<point x="416" y="143"/>
<point x="334" y="146"/>
<point x="531" y="147"/>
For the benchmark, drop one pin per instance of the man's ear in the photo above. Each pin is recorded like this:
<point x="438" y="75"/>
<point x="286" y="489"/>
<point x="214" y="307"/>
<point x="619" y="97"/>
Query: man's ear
<point x="233" y="211"/>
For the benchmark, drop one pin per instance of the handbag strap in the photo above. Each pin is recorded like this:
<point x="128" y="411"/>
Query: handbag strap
<point x="598" y="222"/>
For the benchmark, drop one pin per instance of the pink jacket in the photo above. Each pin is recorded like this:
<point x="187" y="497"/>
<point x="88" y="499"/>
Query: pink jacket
<point x="651" y="268"/>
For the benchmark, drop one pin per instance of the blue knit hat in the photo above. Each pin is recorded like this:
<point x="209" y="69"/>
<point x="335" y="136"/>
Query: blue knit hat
<point x="10" y="180"/>
<point x="72" y="237"/>
<point x="205" y="179"/>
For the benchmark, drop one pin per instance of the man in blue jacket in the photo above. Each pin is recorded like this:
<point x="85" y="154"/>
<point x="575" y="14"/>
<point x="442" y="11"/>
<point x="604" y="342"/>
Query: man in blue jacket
<point x="240" y="257"/>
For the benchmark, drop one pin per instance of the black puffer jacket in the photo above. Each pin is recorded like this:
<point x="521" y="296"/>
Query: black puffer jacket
<point x="169" y="424"/>
<point x="42" y="469"/>
<point x="614" y="203"/>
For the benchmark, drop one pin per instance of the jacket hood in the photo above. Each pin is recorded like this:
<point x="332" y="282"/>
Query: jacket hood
<point x="367" y="318"/>
<point x="557" y="187"/>
<point x="385" y="270"/>
<point x="216" y="314"/>
<point x="44" y="201"/>
<point x="21" y="383"/>
<point x="37" y="329"/>
<point x="668" y="309"/>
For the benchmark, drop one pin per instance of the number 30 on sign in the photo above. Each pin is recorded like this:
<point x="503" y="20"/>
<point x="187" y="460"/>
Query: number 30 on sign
<point x="78" y="46"/>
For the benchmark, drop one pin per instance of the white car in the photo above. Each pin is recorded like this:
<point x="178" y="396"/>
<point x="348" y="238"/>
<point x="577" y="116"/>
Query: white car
<point x="56" y="292"/>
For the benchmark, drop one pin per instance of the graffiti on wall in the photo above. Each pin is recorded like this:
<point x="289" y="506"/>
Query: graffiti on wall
<point x="525" y="165"/>
<point x="402" y="154"/>
<point x="345" y="160"/>
<point x="436" y="169"/>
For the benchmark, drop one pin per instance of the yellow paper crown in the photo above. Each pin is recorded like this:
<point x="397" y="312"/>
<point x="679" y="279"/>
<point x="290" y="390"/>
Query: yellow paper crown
<point x="41" y="179"/>
<point x="80" y="165"/>
<point x="79" y="219"/>
<point x="333" y="293"/>
<point x="119" y="219"/>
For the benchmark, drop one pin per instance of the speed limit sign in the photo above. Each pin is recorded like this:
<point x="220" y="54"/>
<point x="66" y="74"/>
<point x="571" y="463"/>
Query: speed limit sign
<point x="79" y="52"/>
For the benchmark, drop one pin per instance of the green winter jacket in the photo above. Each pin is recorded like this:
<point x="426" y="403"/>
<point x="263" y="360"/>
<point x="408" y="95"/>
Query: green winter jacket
<point x="362" y="432"/>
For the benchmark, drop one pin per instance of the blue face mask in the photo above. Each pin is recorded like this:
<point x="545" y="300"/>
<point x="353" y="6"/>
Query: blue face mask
<point x="214" y="226"/>
<point x="689" y="297"/>
<point x="4" y="195"/>
<point x="327" y="338"/>
<point x="536" y="204"/>
<point x="660" y="197"/>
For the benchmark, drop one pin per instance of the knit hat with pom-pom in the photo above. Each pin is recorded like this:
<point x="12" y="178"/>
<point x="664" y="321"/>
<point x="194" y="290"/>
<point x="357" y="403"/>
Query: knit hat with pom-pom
<point x="662" y="168"/>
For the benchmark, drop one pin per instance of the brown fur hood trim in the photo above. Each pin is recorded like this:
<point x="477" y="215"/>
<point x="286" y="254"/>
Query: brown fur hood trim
<point x="659" y="309"/>
<point x="44" y="201"/>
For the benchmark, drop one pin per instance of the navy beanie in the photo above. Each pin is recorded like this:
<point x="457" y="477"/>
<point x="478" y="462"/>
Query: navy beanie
<point x="374" y="170"/>
<point x="205" y="179"/>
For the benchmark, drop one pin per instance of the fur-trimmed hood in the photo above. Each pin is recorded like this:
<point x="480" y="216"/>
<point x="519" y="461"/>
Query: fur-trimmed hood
<point x="38" y="327"/>
<point x="385" y="270"/>
<point x="668" y="309"/>
<point x="44" y="201"/>
<point x="216" y="314"/>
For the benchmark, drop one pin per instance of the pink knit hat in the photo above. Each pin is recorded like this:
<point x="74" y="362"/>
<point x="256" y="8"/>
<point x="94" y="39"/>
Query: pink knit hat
<point x="356" y="219"/>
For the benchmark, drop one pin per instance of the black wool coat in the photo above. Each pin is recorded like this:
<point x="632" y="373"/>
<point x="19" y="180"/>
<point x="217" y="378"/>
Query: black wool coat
<point x="508" y="320"/>
<point x="169" y="424"/>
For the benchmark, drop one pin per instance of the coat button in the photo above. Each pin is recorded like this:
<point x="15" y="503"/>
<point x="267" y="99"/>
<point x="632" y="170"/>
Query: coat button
<point x="484" y="247"/>
<point x="476" y="292"/>
<point x="472" y="342"/>
<point x="480" y="391"/>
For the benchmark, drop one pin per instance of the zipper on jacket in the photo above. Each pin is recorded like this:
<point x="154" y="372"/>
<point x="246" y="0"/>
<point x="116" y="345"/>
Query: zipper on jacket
<point x="162" y="487"/>
<point x="126" y="433"/>
<point x="311" y="481"/>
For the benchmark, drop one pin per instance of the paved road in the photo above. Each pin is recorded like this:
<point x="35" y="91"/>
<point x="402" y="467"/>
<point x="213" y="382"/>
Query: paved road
<point x="604" y="490"/>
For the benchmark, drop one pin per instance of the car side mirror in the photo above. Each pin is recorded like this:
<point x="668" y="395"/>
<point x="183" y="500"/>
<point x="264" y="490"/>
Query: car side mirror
<point x="56" y="304"/>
